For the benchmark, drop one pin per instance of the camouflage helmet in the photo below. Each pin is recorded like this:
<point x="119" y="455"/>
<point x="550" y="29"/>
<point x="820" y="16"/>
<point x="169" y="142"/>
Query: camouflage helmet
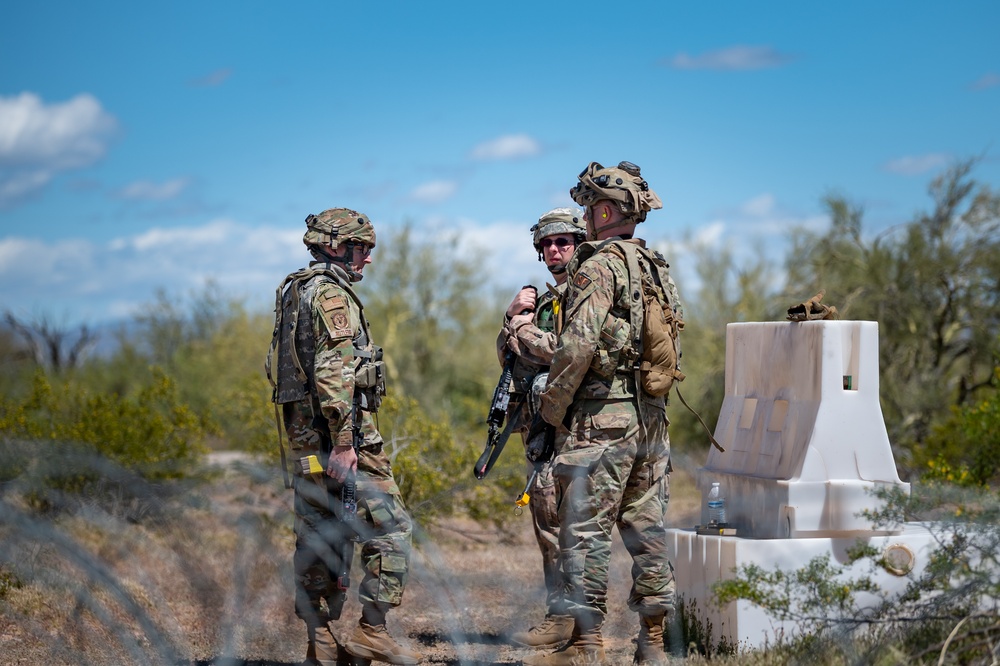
<point x="623" y="185"/>
<point x="559" y="221"/>
<point x="337" y="226"/>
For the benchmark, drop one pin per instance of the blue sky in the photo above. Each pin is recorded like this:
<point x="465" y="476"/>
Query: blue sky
<point x="156" y="146"/>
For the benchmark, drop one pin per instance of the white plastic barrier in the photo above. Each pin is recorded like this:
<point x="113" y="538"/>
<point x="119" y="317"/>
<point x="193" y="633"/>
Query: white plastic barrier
<point x="805" y="444"/>
<point x="802" y="427"/>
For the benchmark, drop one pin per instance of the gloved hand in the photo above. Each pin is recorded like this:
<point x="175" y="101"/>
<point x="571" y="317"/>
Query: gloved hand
<point x="535" y="393"/>
<point x="812" y="310"/>
<point x="541" y="440"/>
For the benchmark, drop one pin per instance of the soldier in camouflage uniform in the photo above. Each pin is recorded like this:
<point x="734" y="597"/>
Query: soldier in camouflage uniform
<point x="329" y="383"/>
<point x="612" y="448"/>
<point x="532" y="338"/>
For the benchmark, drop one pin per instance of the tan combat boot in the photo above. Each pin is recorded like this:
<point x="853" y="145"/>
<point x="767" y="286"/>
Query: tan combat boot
<point x="373" y="642"/>
<point x="322" y="647"/>
<point x="553" y="631"/>
<point x="585" y="647"/>
<point x="649" y="649"/>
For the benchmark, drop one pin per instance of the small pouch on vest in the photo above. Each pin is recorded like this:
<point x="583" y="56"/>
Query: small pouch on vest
<point x="614" y="338"/>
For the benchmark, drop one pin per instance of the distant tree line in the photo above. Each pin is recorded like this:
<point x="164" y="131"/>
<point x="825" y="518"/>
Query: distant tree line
<point x="195" y="366"/>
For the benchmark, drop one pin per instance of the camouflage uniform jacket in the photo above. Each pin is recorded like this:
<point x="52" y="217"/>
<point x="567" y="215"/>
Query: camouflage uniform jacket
<point x="534" y="343"/>
<point x="317" y="414"/>
<point x="597" y="349"/>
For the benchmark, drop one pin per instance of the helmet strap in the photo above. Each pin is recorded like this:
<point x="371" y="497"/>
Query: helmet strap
<point x="328" y="255"/>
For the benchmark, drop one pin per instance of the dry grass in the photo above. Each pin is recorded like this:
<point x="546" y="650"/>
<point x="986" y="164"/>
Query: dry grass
<point x="207" y="579"/>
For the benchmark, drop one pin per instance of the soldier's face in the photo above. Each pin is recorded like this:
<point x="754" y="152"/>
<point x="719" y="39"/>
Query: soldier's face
<point x="361" y="257"/>
<point x="557" y="249"/>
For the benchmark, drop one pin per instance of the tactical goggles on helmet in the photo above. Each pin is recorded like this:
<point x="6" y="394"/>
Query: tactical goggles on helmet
<point x="622" y="185"/>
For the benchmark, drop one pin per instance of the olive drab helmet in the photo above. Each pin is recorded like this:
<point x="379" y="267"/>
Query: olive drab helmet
<point x="623" y="185"/>
<point x="558" y="221"/>
<point x="335" y="227"/>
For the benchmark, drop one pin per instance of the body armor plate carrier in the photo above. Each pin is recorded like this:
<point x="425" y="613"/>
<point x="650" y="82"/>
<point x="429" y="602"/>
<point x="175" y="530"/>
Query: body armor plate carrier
<point x="293" y="348"/>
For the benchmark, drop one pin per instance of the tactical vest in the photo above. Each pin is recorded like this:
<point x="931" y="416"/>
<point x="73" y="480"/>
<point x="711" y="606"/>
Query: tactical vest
<point x="622" y="358"/>
<point x="293" y="346"/>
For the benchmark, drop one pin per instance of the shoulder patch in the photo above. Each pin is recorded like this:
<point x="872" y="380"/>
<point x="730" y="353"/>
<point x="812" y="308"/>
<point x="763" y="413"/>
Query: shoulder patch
<point x="582" y="280"/>
<point x="334" y="311"/>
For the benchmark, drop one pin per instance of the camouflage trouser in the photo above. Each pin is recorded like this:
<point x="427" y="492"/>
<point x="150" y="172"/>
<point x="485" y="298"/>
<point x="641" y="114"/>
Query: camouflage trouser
<point x="545" y="519"/>
<point x="611" y="471"/>
<point x="383" y="528"/>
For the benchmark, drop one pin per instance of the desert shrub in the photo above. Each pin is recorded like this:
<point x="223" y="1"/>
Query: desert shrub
<point x="244" y="414"/>
<point x="8" y="581"/>
<point x="965" y="449"/>
<point x="64" y="438"/>
<point x="433" y="464"/>
<point x="949" y="613"/>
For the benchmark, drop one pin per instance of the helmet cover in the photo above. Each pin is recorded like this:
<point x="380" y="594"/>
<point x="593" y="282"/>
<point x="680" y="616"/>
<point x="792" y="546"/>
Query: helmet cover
<point x="337" y="226"/>
<point x="623" y="185"/>
<point x="559" y="221"/>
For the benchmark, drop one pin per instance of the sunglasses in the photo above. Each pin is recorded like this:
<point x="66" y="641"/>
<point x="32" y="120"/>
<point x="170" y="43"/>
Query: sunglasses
<point x="365" y="250"/>
<point x="558" y="242"/>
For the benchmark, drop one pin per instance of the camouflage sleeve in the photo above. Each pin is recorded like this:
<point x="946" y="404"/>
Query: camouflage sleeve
<point x="588" y="300"/>
<point x="502" y="345"/>
<point x="336" y="318"/>
<point x="533" y="344"/>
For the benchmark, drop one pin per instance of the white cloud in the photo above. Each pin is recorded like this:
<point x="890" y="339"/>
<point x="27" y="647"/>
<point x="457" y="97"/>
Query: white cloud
<point x="504" y="248"/>
<point x="39" y="140"/>
<point x="990" y="80"/>
<point x="97" y="281"/>
<point x="150" y="191"/>
<point x="434" y="191"/>
<point x="15" y="186"/>
<point x="759" y="206"/>
<point x="915" y="165"/>
<point x="710" y="234"/>
<point x="214" y="234"/>
<point x="508" y="147"/>
<point x="734" y="58"/>
<point x="83" y="281"/>
<point x="216" y="78"/>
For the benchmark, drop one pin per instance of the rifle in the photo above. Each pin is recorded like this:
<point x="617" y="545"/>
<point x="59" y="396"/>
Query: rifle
<point x="497" y="439"/>
<point x="541" y="447"/>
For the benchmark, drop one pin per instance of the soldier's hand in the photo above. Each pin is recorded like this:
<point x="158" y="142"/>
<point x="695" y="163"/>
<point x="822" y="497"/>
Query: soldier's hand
<point x="524" y="301"/>
<point x="343" y="461"/>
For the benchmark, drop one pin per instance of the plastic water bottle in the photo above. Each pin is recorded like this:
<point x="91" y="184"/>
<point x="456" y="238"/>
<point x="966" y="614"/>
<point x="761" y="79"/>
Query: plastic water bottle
<point x="716" y="505"/>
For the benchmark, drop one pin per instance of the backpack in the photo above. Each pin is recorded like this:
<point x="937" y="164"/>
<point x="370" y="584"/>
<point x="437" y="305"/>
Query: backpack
<point x="659" y="362"/>
<point x="655" y="310"/>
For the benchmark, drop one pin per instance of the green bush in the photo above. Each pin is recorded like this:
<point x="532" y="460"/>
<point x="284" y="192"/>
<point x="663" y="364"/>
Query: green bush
<point x="433" y="466"/>
<point x="965" y="449"/>
<point x="65" y="434"/>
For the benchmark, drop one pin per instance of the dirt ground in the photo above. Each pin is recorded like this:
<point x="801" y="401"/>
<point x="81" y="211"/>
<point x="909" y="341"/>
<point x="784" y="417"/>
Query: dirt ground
<point x="211" y="584"/>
